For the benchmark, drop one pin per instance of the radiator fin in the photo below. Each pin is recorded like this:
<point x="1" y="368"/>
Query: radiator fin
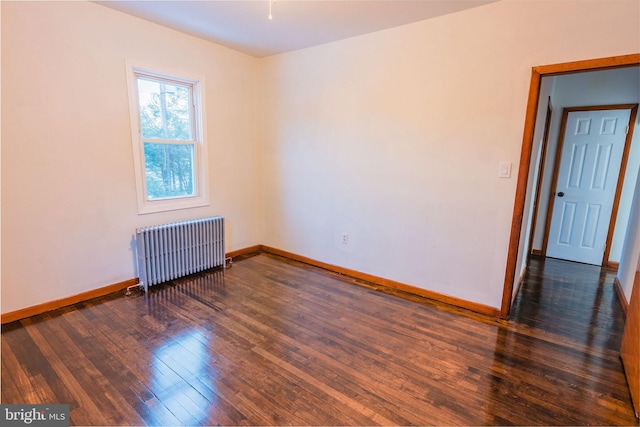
<point x="169" y="251"/>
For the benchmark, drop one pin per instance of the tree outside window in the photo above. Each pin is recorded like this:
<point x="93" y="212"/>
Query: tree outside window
<point x="166" y="115"/>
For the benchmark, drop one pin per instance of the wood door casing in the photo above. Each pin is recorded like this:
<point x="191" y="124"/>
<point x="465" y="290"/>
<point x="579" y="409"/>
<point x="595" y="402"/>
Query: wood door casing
<point x="630" y="348"/>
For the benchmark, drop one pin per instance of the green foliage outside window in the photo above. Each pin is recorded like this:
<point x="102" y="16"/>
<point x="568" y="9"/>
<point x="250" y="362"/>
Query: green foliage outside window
<point x="166" y="116"/>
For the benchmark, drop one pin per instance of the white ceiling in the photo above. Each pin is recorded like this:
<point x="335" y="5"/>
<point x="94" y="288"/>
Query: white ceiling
<point x="244" y="25"/>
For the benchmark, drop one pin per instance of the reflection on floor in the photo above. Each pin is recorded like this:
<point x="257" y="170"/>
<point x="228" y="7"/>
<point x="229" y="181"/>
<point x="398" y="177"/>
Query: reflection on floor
<point x="274" y="342"/>
<point x="572" y="300"/>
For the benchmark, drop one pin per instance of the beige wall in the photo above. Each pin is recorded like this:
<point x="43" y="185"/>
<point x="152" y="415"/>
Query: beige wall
<point x="68" y="189"/>
<point x="395" y="137"/>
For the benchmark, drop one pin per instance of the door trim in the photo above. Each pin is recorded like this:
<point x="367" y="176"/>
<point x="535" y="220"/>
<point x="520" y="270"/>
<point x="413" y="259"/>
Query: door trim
<point x="541" y="167"/>
<point x="525" y="154"/>
<point x="621" y="171"/>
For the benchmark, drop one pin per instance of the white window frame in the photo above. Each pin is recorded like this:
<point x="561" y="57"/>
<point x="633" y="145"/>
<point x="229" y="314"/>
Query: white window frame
<point x="201" y="197"/>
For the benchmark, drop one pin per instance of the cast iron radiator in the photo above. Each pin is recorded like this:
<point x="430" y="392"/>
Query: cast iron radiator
<point x="169" y="251"/>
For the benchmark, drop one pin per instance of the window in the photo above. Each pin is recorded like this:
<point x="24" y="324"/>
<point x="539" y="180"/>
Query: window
<point x="168" y="140"/>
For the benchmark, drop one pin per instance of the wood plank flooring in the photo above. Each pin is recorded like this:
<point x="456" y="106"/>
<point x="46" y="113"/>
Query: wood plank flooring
<point x="274" y="342"/>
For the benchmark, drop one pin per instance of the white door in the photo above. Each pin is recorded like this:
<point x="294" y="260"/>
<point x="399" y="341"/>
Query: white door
<point x="586" y="184"/>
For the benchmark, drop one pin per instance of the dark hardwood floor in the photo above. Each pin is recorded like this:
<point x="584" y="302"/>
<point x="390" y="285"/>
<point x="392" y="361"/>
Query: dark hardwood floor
<point x="273" y="342"/>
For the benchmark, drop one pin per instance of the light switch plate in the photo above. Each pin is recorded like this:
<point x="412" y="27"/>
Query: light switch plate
<point x="504" y="170"/>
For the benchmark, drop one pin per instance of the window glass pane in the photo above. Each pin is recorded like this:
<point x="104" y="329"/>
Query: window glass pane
<point x="169" y="170"/>
<point x="165" y="110"/>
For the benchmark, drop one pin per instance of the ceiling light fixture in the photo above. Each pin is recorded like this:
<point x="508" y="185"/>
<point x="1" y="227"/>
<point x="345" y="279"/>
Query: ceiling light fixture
<point x="271" y="2"/>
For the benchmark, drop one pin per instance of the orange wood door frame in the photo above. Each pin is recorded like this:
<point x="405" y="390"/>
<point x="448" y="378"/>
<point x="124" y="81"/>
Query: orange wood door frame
<point x="630" y="348"/>
<point x="541" y="167"/>
<point x="525" y="154"/>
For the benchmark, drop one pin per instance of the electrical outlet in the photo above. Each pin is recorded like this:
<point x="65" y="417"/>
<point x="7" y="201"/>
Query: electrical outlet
<point x="345" y="238"/>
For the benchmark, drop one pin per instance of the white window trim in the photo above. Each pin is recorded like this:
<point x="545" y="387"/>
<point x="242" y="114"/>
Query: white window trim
<point x="201" y="198"/>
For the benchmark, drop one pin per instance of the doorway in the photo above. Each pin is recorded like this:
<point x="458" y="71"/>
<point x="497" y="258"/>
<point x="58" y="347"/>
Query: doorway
<point x="588" y="176"/>
<point x="523" y="192"/>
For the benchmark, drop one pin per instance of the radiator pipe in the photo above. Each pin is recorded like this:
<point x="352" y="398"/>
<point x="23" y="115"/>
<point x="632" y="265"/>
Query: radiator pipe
<point x="137" y="285"/>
